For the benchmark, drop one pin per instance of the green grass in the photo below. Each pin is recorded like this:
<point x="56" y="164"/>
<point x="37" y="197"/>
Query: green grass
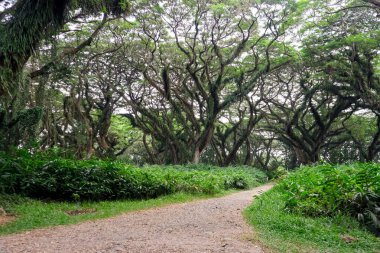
<point x="281" y="231"/>
<point x="33" y="214"/>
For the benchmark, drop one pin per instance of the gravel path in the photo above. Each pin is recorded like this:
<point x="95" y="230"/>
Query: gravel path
<point x="213" y="225"/>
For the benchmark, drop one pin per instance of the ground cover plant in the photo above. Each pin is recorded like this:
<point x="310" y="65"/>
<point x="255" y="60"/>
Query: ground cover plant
<point x="330" y="190"/>
<point x="322" y="208"/>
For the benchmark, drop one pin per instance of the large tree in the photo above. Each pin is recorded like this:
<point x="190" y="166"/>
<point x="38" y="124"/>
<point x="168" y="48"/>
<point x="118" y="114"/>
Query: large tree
<point x="196" y="59"/>
<point x="303" y="115"/>
<point x="24" y="26"/>
<point x="344" y="44"/>
<point x="26" y="23"/>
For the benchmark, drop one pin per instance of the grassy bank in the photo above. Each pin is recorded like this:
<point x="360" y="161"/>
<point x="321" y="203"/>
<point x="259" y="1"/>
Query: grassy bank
<point x="31" y="214"/>
<point x="314" y="210"/>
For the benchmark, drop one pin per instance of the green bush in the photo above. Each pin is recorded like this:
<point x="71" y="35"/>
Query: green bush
<point x="37" y="177"/>
<point x="279" y="230"/>
<point x="61" y="179"/>
<point x="327" y="190"/>
<point x="278" y="173"/>
<point x="234" y="176"/>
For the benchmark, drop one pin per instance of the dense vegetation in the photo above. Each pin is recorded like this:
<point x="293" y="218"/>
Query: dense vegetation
<point x="321" y="208"/>
<point x="260" y="83"/>
<point x="41" y="190"/>
<point x="136" y="99"/>
<point x="331" y="190"/>
<point x="64" y="179"/>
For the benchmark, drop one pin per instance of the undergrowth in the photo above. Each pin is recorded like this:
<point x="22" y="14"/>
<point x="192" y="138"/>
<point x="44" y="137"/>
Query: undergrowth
<point x="67" y="179"/>
<point x="318" y="209"/>
<point x="327" y="190"/>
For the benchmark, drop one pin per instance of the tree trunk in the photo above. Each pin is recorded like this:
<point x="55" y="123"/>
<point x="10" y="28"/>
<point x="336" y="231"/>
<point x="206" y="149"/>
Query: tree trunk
<point x="249" y="156"/>
<point x="304" y="157"/>
<point x="196" y="155"/>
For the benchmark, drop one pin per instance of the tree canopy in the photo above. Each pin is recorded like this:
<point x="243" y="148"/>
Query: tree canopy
<point x="263" y="83"/>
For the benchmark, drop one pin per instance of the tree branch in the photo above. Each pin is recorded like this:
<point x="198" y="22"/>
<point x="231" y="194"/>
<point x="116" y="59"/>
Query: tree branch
<point x="72" y="51"/>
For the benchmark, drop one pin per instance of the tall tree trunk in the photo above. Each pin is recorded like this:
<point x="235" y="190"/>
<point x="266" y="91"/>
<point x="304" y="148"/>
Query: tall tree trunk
<point x="305" y="157"/>
<point x="249" y="156"/>
<point x="196" y="155"/>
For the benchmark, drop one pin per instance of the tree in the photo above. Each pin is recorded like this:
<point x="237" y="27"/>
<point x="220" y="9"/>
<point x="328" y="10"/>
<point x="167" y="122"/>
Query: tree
<point x="193" y="61"/>
<point x="263" y="83"/>
<point x="24" y="26"/>
<point x="303" y="116"/>
<point x="356" y="143"/>
<point x="26" y="23"/>
<point x="344" y="45"/>
<point x="230" y="137"/>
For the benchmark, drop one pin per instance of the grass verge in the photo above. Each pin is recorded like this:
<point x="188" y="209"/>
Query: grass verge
<point x="281" y="231"/>
<point x="31" y="214"/>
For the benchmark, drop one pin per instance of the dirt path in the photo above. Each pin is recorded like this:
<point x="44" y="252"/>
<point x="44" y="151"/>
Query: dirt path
<point x="213" y="225"/>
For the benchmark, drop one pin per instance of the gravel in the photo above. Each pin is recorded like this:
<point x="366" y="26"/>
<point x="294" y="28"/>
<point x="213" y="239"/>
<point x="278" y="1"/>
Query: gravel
<point x="213" y="225"/>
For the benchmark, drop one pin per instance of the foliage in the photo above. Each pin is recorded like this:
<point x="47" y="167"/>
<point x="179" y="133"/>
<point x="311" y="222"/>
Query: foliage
<point x="327" y="190"/>
<point x="23" y="127"/>
<point x="279" y="172"/>
<point x="356" y="143"/>
<point x="261" y="83"/>
<point x="283" y="231"/>
<point x="128" y="140"/>
<point x="39" y="177"/>
<point x="233" y="177"/>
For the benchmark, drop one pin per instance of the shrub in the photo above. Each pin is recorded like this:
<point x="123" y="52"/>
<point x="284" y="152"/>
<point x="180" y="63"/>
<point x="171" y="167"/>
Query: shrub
<point x="38" y="177"/>
<point x="282" y="231"/>
<point x="279" y="173"/>
<point x="62" y="179"/>
<point x="327" y="190"/>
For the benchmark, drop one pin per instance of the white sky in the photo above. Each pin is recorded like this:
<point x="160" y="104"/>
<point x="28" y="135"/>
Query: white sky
<point x="5" y="4"/>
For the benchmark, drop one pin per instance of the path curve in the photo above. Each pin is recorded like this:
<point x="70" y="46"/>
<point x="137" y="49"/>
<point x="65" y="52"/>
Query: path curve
<point x="212" y="225"/>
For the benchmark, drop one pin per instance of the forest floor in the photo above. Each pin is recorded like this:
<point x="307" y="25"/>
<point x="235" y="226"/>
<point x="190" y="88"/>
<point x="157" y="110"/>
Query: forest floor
<point x="212" y="225"/>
